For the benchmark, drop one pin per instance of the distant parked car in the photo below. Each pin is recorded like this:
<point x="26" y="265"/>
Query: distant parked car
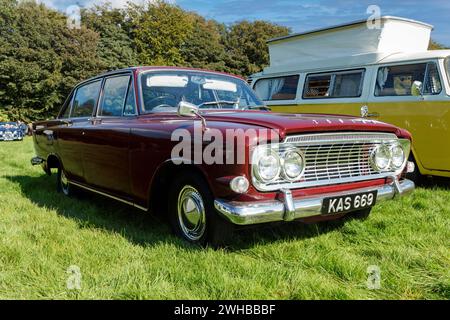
<point x="118" y="135"/>
<point x="10" y="131"/>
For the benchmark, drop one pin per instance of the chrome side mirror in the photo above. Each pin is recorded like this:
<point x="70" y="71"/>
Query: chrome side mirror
<point x="186" y="109"/>
<point x="416" y="88"/>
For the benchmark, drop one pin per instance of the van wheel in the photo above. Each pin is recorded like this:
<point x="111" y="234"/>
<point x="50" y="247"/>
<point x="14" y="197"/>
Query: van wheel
<point x="192" y="214"/>
<point x="63" y="184"/>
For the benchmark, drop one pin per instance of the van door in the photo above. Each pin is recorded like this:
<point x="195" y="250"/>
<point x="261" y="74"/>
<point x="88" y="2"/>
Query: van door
<point x="425" y="112"/>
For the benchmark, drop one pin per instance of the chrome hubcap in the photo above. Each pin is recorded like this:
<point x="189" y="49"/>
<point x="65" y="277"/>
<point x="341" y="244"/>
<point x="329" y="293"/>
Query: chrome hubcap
<point x="191" y="213"/>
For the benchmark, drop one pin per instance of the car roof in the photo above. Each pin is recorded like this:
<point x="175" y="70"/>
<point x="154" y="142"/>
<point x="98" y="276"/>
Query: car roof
<point x="156" y="68"/>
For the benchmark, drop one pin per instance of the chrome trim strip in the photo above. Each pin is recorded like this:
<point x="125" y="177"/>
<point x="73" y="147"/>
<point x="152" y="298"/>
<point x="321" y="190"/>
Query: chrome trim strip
<point x="107" y="195"/>
<point x="342" y="137"/>
<point x="245" y="213"/>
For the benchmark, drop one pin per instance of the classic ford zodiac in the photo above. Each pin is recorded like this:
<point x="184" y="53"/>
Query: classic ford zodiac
<point x="128" y="135"/>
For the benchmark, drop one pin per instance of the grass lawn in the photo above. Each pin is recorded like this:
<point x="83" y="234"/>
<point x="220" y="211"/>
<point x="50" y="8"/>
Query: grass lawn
<point x="123" y="253"/>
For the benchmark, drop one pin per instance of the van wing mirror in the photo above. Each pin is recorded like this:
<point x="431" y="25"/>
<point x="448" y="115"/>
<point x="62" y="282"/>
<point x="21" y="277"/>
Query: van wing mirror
<point x="416" y="88"/>
<point x="186" y="109"/>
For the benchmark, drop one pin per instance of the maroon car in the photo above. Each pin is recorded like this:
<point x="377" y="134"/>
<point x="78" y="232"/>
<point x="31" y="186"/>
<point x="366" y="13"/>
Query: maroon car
<point x="200" y="147"/>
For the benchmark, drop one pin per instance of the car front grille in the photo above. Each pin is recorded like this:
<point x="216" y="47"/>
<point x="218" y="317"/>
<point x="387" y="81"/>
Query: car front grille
<point x="333" y="159"/>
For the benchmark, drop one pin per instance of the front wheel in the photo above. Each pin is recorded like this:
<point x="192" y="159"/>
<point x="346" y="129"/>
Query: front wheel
<point x="192" y="214"/>
<point x="63" y="184"/>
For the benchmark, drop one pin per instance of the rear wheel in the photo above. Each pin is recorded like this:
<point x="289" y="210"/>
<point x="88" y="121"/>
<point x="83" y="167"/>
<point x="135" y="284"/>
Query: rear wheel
<point x="63" y="184"/>
<point x="192" y="214"/>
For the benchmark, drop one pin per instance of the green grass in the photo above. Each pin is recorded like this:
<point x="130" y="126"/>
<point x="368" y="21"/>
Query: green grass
<point x="125" y="254"/>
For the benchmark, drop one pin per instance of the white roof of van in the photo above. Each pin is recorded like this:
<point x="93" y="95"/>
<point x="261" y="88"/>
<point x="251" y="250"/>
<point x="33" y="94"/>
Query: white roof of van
<point x="350" y="45"/>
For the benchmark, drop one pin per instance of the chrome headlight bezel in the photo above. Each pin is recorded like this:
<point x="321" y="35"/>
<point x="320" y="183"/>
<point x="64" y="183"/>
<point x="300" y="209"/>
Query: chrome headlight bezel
<point x="257" y="157"/>
<point x="388" y="149"/>
<point x="301" y="158"/>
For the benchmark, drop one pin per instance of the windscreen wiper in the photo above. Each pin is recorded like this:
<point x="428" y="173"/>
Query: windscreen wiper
<point x="218" y="102"/>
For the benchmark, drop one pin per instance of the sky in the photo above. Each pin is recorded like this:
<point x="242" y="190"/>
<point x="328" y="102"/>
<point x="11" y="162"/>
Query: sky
<point x="304" y="15"/>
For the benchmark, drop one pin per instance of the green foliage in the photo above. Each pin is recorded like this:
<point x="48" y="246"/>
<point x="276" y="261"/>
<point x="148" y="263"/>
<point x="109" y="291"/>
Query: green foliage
<point x="246" y="43"/>
<point x="41" y="59"/>
<point x="436" y="45"/>
<point x="159" y="30"/>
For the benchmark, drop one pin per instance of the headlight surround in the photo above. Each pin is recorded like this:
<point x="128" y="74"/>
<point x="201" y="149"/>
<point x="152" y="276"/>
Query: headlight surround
<point x="293" y="163"/>
<point x="267" y="166"/>
<point x="397" y="156"/>
<point x="381" y="158"/>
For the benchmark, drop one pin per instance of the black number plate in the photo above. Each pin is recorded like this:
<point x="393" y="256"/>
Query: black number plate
<point x="348" y="203"/>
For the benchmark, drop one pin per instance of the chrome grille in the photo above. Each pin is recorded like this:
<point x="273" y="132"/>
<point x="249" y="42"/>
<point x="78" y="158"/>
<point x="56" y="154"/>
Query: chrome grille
<point x="337" y="161"/>
<point x="333" y="158"/>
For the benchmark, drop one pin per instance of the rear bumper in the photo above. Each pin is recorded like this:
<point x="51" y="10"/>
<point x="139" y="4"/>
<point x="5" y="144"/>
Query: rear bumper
<point x="288" y="208"/>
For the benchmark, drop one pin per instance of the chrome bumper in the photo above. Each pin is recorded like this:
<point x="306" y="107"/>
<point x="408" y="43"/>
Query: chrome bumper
<point x="288" y="208"/>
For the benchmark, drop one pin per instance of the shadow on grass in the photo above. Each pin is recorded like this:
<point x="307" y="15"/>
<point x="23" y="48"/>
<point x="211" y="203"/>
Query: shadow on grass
<point x="90" y="210"/>
<point x="435" y="182"/>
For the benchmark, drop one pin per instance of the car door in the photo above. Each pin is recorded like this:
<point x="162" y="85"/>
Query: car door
<point x="69" y="128"/>
<point x="106" y="138"/>
<point x="425" y="114"/>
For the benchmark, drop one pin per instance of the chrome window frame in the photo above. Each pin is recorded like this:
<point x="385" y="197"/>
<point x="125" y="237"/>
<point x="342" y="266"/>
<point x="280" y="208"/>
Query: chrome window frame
<point x="327" y="138"/>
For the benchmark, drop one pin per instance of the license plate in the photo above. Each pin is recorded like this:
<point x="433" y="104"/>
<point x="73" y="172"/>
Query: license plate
<point x="348" y="203"/>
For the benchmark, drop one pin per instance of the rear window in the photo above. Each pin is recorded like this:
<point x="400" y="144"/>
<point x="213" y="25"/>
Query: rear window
<point x="339" y="84"/>
<point x="281" y="88"/>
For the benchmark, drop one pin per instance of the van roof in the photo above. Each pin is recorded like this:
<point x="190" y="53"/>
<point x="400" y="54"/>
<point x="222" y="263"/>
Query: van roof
<point x="348" y="24"/>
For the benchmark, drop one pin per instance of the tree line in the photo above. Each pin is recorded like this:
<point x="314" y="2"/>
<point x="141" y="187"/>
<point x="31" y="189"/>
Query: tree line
<point x="41" y="59"/>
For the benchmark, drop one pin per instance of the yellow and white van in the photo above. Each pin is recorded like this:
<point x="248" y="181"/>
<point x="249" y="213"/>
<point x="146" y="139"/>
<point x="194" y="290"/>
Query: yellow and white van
<point x="382" y="70"/>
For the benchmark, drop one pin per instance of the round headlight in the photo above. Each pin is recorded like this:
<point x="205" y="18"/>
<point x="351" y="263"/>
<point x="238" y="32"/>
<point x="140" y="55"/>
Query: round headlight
<point x="397" y="156"/>
<point x="381" y="158"/>
<point x="293" y="165"/>
<point x="239" y="184"/>
<point x="268" y="166"/>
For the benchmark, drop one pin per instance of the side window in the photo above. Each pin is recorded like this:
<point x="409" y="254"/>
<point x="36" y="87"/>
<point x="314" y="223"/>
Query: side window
<point x="397" y="80"/>
<point x="281" y="88"/>
<point x="130" y="103"/>
<point x="85" y="99"/>
<point x="344" y="84"/>
<point x="114" y="95"/>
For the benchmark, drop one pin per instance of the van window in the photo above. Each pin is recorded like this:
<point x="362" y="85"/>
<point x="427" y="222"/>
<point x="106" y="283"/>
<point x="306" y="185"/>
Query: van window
<point x="397" y="80"/>
<point x="344" y="84"/>
<point x="86" y="99"/>
<point x="281" y="88"/>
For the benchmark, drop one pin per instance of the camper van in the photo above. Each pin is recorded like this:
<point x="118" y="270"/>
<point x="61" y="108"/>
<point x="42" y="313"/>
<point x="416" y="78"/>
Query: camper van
<point x="381" y="70"/>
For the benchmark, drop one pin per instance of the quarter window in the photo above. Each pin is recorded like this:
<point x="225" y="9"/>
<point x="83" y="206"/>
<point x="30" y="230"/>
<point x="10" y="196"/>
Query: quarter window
<point x="281" y="88"/>
<point x="115" y="93"/>
<point x="86" y="99"/>
<point x="398" y="80"/>
<point x="130" y="103"/>
<point x="344" y="84"/>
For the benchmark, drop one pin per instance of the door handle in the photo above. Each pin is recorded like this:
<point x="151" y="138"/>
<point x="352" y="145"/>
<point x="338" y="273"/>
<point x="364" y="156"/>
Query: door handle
<point x="67" y="122"/>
